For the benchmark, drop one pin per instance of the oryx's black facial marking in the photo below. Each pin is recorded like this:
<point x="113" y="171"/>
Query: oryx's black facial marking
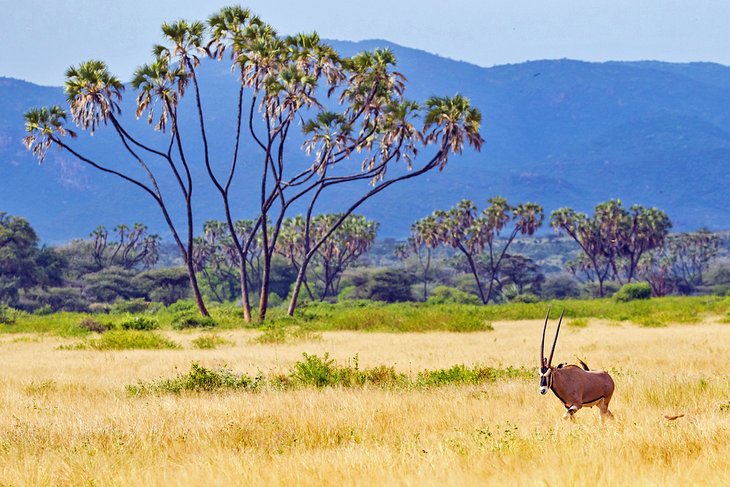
<point x="545" y="379"/>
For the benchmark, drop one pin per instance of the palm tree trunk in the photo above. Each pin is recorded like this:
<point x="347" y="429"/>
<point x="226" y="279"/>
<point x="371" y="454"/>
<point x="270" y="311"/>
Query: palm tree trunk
<point x="473" y="267"/>
<point x="245" y="304"/>
<point x="196" y="289"/>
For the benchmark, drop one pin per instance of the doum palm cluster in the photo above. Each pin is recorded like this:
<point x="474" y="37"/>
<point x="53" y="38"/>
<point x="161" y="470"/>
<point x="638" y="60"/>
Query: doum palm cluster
<point x="357" y="125"/>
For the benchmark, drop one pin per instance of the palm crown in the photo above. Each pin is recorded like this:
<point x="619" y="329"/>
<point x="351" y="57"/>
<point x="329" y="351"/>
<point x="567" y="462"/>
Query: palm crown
<point x="42" y="124"/>
<point x="93" y="93"/>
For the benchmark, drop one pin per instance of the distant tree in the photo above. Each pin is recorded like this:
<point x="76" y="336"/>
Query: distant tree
<point x="613" y="240"/>
<point x="216" y="260"/>
<point x="94" y="96"/>
<point x="522" y="273"/>
<point x="132" y="247"/>
<point x="389" y="285"/>
<point x="357" y="123"/>
<point x="423" y="239"/>
<point x="462" y="229"/>
<point x="23" y="264"/>
<point x="680" y="262"/>
<point x="587" y="235"/>
<point x="111" y="284"/>
<point x="353" y="238"/>
<point x="166" y="285"/>
<point x="559" y="287"/>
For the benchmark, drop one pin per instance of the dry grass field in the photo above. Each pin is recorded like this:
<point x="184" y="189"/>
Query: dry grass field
<point x="67" y="418"/>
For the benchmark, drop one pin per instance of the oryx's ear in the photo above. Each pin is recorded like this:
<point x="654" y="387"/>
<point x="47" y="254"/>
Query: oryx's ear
<point x="544" y="362"/>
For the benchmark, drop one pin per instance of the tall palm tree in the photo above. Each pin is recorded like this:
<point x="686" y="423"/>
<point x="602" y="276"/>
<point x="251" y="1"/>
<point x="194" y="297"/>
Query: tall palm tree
<point x="94" y="95"/>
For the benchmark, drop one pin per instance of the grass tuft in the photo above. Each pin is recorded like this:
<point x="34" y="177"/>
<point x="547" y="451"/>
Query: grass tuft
<point x="126" y="340"/>
<point x="578" y="323"/>
<point x="208" y="342"/>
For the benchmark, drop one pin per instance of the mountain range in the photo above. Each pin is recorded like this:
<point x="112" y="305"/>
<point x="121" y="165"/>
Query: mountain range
<point x="557" y="132"/>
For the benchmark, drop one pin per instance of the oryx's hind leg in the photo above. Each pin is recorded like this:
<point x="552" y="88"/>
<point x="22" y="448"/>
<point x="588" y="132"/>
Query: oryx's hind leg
<point x="603" y="406"/>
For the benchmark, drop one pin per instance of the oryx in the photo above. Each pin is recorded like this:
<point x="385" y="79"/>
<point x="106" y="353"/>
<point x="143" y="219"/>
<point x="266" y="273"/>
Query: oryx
<point x="575" y="386"/>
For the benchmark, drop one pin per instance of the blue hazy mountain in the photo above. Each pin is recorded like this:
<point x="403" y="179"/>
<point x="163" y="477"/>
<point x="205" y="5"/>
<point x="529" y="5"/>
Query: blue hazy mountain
<point x="560" y="133"/>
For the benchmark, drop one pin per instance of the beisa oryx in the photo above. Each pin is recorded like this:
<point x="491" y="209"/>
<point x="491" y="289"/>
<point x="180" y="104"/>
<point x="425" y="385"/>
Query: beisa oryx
<point x="576" y="386"/>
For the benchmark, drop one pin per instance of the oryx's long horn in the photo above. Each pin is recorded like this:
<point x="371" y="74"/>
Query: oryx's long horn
<point x="550" y="360"/>
<point x="542" y="345"/>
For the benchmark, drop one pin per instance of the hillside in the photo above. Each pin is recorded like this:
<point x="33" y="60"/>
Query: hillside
<point x="561" y="133"/>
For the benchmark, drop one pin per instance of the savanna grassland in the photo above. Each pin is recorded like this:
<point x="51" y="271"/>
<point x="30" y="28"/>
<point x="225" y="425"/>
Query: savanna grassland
<point x="76" y="415"/>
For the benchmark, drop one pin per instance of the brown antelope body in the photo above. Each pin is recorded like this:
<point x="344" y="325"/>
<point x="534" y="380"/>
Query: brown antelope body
<point x="575" y="386"/>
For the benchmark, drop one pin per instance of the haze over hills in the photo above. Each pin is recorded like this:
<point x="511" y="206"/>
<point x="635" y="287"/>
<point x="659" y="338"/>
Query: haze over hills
<point x="560" y="133"/>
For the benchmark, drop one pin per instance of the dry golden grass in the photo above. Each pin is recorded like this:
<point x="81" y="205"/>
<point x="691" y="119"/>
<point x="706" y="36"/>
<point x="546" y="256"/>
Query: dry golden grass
<point x="67" y="419"/>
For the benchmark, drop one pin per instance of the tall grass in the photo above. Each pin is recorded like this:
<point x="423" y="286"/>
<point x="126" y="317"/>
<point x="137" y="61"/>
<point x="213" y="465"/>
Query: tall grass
<point x="68" y="419"/>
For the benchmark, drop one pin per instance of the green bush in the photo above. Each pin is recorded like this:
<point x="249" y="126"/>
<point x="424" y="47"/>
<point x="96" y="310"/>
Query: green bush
<point x="191" y="319"/>
<point x="389" y="285"/>
<point x="721" y="290"/>
<point x="198" y="379"/>
<point x="182" y="305"/>
<point x="139" y="323"/>
<point x="525" y="298"/>
<point x="90" y="324"/>
<point x="54" y="298"/>
<point x="315" y="371"/>
<point x="632" y="292"/>
<point x="347" y="293"/>
<point x="8" y="315"/>
<point x="560" y="286"/>
<point x="451" y="295"/>
<point x="43" y="310"/>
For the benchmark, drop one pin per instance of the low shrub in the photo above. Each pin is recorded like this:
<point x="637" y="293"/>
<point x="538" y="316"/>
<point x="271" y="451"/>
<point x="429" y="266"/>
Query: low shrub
<point x="139" y="323"/>
<point x="44" y="310"/>
<point x="191" y="319"/>
<point x="209" y="342"/>
<point x="8" y="315"/>
<point x="128" y="340"/>
<point x="633" y="291"/>
<point x="90" y="324"/>
<point x="316" y="371"/>
<point x="451" y="295"/>
<point x="198" y="379"/>
<point x="525" y="298"/>
<point x="182" y="305"/>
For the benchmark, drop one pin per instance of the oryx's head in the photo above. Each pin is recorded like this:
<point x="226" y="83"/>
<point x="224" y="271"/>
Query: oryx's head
<point x="546" y="370"/>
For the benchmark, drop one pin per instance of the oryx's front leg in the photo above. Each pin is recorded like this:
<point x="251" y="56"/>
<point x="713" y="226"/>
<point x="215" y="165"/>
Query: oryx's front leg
<point x="570" y="412"/>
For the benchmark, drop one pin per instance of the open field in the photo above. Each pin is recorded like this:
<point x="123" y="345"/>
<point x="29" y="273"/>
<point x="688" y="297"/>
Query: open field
<point x="68" y="418"/>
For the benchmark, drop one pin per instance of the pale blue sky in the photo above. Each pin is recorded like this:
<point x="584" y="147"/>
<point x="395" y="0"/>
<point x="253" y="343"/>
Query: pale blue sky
<point x="40" y="38"/>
